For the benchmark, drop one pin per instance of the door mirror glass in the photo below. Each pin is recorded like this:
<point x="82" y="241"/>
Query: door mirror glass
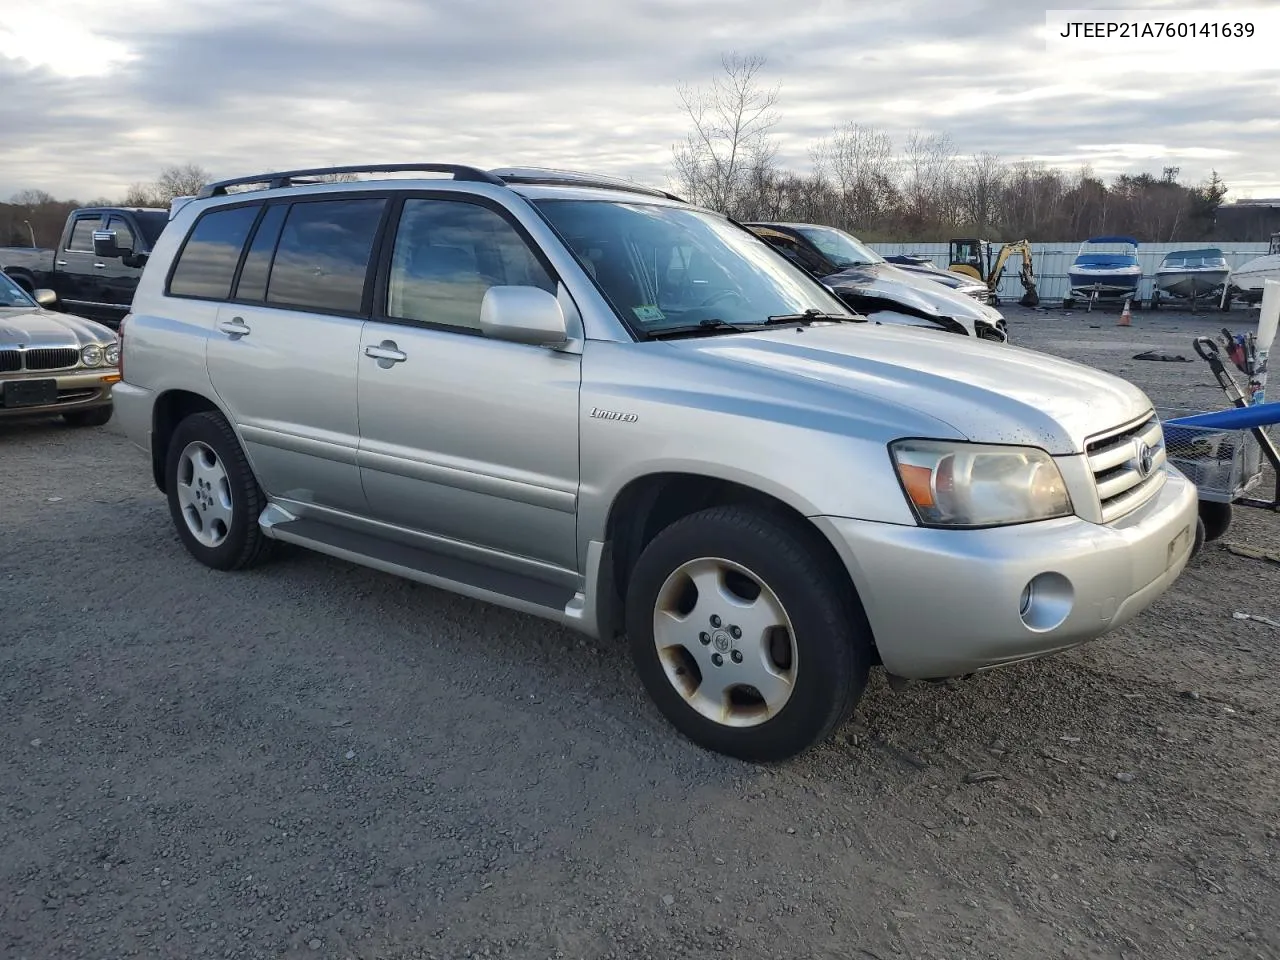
<point x="523" y="315"/>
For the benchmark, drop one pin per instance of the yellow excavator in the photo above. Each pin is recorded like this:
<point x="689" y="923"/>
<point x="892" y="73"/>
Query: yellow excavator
<point x="972" y="258"/>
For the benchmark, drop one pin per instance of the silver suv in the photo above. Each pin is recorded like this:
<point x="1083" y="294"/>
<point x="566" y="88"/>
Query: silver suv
<point x="595" y="403"/>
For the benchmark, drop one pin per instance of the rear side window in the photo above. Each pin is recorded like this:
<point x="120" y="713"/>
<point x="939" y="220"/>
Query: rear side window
<point x="322" y="260"/>
<point x="82" y="234"/>
<point x="208" y="260"/>
<point x="257" y="263"/>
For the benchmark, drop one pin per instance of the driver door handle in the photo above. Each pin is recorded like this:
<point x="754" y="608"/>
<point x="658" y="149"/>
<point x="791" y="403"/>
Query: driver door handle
<point x="386" y="351"/>
<point x="234" y="327"/>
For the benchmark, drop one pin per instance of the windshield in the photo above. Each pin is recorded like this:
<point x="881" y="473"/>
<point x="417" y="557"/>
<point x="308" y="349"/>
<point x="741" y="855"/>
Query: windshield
<point x="12" y="295"/>
<point x="839" y="247"/>
<point x="663" y="266"/>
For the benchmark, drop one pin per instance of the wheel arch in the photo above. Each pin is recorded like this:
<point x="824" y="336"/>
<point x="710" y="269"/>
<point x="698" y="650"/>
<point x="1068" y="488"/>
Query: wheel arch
<point x="649" y="503"/>
<point x="171" y="407"/>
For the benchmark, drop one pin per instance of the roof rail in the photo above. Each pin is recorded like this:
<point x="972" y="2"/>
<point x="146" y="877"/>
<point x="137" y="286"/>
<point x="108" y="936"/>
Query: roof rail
<point x="278" y="181"/>
<point x="547" y="176"/>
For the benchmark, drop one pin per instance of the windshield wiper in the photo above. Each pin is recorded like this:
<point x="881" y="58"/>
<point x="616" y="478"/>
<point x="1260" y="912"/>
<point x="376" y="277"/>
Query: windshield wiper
<point x="702" y="326"/>
<point x="811" y="315"/>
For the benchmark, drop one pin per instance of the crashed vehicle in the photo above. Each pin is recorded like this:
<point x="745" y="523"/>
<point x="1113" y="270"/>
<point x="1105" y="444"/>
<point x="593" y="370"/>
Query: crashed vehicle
<point x="881" y="291"/>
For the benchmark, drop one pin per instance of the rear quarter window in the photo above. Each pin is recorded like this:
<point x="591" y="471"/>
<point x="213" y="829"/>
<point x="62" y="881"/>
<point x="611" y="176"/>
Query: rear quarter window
<point x="208" y="259"/>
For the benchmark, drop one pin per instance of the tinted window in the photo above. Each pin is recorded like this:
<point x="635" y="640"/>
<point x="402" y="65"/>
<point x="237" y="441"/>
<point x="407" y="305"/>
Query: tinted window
<point x="323" y="256"/>
<point x="208" y="261"/>
<point x="447" y="254"/>
<point x="152" y="225"/>
<point x="82" y="234"/>
<point x="124" y="236"/>
<point x="257" y="263"/>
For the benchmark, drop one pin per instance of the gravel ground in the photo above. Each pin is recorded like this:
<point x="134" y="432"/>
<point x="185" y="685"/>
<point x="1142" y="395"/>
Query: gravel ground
<point x="317" y="760"/>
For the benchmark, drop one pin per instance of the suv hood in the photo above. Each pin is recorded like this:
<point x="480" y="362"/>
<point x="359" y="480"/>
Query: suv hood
<point x="988" y="393"/>
<point x="35" y="327"/>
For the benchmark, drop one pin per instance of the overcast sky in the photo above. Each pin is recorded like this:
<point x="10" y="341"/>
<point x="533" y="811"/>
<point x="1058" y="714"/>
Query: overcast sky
<point x="101" y="94"/>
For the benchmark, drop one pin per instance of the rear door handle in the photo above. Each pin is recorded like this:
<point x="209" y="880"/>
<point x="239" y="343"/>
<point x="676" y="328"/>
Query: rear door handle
<point x="234" y="327"/>
<point x="99" y="266"/>
<point x="59" y="263"/>
<point x="386" y="351"/>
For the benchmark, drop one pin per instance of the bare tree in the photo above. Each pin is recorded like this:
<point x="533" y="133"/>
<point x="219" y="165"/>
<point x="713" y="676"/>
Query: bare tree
<point x="180" y="181"/>
<point x="32" y="198"/>
<point x="978" y="189"/>
<point x="928" y="180"/>
<point x="730" y="141"/>
<point x="858" y="160"/>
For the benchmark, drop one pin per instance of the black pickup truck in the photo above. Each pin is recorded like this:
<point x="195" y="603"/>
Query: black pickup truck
<point x="99" y="285"/>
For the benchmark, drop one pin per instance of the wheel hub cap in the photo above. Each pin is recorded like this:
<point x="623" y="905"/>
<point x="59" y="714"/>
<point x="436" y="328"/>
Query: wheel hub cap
<point x="725" y="642"/>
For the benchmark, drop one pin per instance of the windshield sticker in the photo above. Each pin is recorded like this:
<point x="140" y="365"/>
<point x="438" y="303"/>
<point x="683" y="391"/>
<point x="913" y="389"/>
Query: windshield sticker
<point x="648" y="313"/>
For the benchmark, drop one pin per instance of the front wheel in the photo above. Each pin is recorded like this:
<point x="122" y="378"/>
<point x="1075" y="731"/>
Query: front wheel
<point x="214" y="498"/>
<point x="747" y="638"/>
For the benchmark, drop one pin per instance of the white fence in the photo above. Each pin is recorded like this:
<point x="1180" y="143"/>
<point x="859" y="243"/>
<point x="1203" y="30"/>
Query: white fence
<point x="1051" y="261"/>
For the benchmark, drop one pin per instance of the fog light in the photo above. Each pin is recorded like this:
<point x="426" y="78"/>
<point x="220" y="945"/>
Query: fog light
<point x="1046" y="602"/>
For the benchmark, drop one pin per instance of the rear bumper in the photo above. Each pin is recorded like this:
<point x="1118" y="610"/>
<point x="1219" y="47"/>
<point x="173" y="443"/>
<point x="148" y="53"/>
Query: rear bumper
<point x="944" y="603"/>
<point x="79" y="390"/>
<point x="133" y="413"/>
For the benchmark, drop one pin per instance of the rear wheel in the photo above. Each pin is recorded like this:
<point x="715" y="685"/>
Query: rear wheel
<point x="97" y="417"/>
<point x="214" y="498"/>
<point x="745" y="636"/>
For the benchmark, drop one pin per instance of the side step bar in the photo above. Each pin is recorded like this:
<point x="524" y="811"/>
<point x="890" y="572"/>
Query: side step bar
<point x="499" y="587"/>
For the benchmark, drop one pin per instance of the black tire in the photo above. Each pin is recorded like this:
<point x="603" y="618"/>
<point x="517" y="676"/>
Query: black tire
<point x="97" y="417"/>
<point x="245" y="544"/>
<point x="1216" y="518"/>
<point x="831" y="634"/>
<point x="1198" y="544"/>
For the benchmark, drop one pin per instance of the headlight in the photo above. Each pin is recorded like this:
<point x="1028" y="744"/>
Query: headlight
<point x="973" y="485"/>
<point x="91" y="356"/>
<point x="112" y="354"/>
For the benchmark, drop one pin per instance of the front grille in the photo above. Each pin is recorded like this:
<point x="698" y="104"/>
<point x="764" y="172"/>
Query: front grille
<point x="1113" y="459"/>
<point x="10" y="360"/>
<point x="51" y="358"/>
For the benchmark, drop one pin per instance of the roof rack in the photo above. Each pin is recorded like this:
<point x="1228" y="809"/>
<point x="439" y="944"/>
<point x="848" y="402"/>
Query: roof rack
<point x="501" y="178"/>
<point x="278" y="181"/>
<point x="547" y="176"/>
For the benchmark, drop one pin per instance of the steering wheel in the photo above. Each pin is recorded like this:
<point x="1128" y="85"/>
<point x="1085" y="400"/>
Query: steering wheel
<point x="722" y="295"/>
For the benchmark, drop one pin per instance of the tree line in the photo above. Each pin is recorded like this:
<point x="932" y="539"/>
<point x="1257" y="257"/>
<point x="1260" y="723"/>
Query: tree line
<point x="36" y="217"/>
<point x="918" y="190"/>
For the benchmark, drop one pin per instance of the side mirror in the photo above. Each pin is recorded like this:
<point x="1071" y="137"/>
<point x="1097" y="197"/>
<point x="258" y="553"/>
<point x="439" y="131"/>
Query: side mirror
<point x="46" y="298"/>
<point x="105" y="247"/>
<point x="523" y="315"/>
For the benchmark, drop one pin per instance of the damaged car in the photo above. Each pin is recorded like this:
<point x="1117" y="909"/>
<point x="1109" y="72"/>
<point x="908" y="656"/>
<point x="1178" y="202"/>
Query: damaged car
<point x="881" y="291"/>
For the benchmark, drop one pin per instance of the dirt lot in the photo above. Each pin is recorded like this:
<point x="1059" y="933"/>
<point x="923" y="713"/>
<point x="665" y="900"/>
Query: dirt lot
<point x="316" y="760"/>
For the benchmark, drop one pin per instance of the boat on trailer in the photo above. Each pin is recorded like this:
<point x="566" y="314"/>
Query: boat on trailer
<point x="1247" y="280"/>
<point x="1190" y="275"/>
<point x="1104" y="275"/>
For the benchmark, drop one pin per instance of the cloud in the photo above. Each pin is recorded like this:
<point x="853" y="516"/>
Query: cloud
<point x="280" y="83"/>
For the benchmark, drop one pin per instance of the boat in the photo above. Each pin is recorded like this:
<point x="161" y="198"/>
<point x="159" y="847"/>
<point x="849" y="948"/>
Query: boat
<point x="1190" y="275"/>
<point x="1246" y="281"/>
<point x="1104" y="275"/>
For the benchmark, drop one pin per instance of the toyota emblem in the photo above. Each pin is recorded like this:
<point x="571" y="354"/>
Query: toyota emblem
<point x="1143" y="458"/>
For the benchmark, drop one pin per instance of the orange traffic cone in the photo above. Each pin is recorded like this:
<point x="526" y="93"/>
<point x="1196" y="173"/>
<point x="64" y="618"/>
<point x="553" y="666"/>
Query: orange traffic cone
<point x="1125" y="315"/>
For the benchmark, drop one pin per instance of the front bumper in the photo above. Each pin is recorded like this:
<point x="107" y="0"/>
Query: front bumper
<point x="77" y="390"/>
<point x="945" y="603"/>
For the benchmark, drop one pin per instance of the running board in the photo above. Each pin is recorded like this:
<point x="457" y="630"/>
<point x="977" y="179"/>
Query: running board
<point x="499" y="587"/>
